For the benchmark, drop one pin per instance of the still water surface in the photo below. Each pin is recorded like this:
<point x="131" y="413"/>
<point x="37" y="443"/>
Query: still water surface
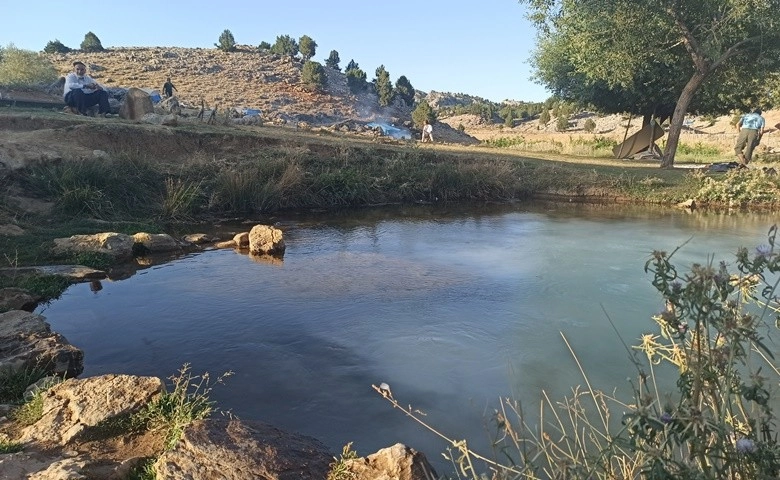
<point x="452" y="308"/>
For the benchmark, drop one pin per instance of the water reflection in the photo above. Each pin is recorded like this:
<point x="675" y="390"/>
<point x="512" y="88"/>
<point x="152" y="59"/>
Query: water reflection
<point x="451" y="307"/>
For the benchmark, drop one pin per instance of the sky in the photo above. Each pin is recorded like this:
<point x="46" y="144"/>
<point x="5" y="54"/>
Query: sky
<point x="476" y="48"/>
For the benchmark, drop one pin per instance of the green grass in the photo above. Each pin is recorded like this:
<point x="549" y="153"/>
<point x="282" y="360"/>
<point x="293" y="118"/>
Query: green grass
<point x="29" y="412"/>
<point x="144" y="470"/>
<point x="14" y="382"/>
<point x="7" y="446"/>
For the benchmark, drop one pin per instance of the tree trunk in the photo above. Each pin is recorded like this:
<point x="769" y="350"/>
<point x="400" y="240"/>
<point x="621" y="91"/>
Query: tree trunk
<point x="678" y="117"/>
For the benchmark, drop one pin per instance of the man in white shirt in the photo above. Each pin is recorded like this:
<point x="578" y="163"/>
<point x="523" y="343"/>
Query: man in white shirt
<point x="82" y="91"/>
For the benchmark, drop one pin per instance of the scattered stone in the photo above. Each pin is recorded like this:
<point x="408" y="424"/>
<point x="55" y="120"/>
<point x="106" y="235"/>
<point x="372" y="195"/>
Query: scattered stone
<point x="137" y="104"/>
<point x="226" y="244"/>
<point x="241" y="239"/>
<point x="397" y="462"/>
<point x="11" y="230"/>
<point x="198" y="238"/>
<point x="157" y="242"/>
<point x="117" y="245"/>
<point x="12" y="298"/>
<point x="690" y="203"/>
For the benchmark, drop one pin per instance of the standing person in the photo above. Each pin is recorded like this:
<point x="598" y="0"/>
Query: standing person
<point x="82" y="92"/>
<point x="751" y="128"/>
<point x="168" y="88"/>
<point x="427" y="132"/>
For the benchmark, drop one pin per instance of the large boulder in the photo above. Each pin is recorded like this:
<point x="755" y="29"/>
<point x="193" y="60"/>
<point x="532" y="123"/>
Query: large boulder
<point x="266" y="240"/>
<point x="137" y="103"/>
<point x="398" y="462"/>
<point x="27" y="342"/>
<point x="71" y="407"/>
<point x="12" y="298"/>
<point x="119" y="246"/>
<point x="231" y="449"/>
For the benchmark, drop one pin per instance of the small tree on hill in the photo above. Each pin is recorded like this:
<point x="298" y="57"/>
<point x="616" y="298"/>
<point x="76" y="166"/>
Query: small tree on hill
<point x="590" y="125"/>
<point x="313" y="76"/>
<point x="423" y="113"/>
<point x="383" y="85"/>
<point x="91" y="43"/>
<point x="544" y="118"/>
<point x="509" y="118"/>
<point x="404" y="90"/>
<point x="307" y="47"/>
<point x="56" y="47"/>
<point x="285" y="45"/>
<point x="333" y="61"/>
<point x="356" y="78"/>
<point x="562" y="124"/>
<point x="351" y="65"/>
<point x="226" y="42"/>
<point x="264" y="46"/>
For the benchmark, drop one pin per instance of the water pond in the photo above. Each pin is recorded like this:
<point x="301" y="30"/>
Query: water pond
<point x="452" y="307"/>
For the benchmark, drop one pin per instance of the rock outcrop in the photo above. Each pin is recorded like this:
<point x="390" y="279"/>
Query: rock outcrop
<point x="266" y="240"/>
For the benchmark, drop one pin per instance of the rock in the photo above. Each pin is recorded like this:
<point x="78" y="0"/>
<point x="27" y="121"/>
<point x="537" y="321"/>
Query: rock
<point x="690" y="203"/>
<point x="117" y="245"/>
<point x="398" y="462"/>
<point x="157" y="242"/>
<point x="241" y="239"/>
<point x="18" y="299"/>
<point x="231" y="449"/>
<point x="226" y="244"/>
<point x="266" y="240"/>
<point x="71" y="407"/>
<point x="36" y="466"/>
<point x="137" y="104"/>
<point x="27" y="342"/>
<point x="198" y="238"/>
<point x="11" y="230"/>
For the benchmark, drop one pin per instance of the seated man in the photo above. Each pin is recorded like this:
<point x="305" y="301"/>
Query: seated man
<point x="82" y="91"/>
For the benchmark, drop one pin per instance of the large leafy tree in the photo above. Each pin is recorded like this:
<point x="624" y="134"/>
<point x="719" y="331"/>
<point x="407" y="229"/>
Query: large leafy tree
<point x="383" y="85"/>
<point x="404" y="90"/>
<point x="660" y="57"/>
<point x="307" y="47"/>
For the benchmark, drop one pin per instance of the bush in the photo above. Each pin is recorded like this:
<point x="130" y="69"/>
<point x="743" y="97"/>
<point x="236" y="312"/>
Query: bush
<point x="56" y="47"/>
<point x="285" y="45"/>
<point x="25" y="68"/>
<point x="562" y="123"/>
<point x="333" y="61"/>
<point x="307" y="47"/>
<point x="422" y="114"/>
<point x="544" y="118"/>
<point x="264" y="46"/>
<point x="226" y="42"/>
<point x="356" y="80"/>
<point x="313" y="75"/>
<point x="91" y="43"/>
<point x="589" y="125"/>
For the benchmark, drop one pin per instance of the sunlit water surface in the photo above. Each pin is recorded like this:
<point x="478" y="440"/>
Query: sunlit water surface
<point x="453" y="309"/>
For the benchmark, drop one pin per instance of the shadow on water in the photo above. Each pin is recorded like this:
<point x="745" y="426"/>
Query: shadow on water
<point x="454" y="307"/>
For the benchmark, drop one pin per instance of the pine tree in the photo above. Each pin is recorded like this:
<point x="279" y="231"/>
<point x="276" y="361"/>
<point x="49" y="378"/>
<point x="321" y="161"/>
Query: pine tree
<point x="91" y="43"/>
<point x="307" y="47"/>
<point x="285" y="45"/>
<point x="313" y="75"/>
<point x="404" y="90"/>
<point x="333" y="61"/>
<point x="56" y="47"/>
<point x="422" y="114"/>
<point x="384" y="88"/>
<point x="226" y="42"/>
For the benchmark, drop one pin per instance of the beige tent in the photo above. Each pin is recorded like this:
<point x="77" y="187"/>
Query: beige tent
<point x="641" y="140"/>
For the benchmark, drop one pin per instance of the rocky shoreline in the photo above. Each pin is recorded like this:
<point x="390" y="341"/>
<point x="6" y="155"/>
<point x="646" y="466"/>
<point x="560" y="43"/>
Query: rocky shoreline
<point x="73" y="438"/>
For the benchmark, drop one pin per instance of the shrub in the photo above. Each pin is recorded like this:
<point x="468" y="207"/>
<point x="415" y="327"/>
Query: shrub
<point x="384" y="87"/>
<point x="544" y="118"/>
<point x="562" y="123"/>
<point x="24" y="68"/>
<point x="356" y="79"/>
<point x="56" y="47"/>
<point x="264" y="46"/>
<point x="590" y="125"/>
<point x="740" y="187"/>
<point x="313" y="75"/>
<point x="226" y="42"/>
<point x="91" y="43"/>
<point x="423" y="113"/>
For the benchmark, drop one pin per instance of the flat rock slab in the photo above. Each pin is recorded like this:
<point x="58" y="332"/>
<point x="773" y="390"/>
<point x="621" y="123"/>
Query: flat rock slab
<point x="75" y="273"/>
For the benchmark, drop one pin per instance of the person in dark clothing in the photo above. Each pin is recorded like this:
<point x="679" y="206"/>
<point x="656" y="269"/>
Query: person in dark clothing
<point x="82" y="92"/>
<point x="168" y="88"/>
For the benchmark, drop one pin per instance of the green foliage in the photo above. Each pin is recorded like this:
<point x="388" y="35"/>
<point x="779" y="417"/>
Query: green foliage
<point x="285" y="45"/>
<point x="698" y="149"/>
<point x="24" y="68"/>
<point x="29" y="412"/>
<point x="739" y="187"/>
<point x="509" y="119"/>
<point x="264" y="46"/>
<point x="226" y="42"/>
<point x="175" y="409"/>
<point x="562" y="123"/>
<point x="13" y="382"/>
<point x="49" y="287"/>
<point x="404" y="90"/>
<point x="352" y="65"/>
<point x="589" y="126"/>
<point x="91" y="43"/>
<point x="333" y="61"/>
<point x="338" y="468"/>
<point x="313" y="76"/>
<point x="423" y="113"/>
<point x="544" y="118"/>
<point x="56" y="47"/>
<point x="461" y="128"/>
<point x="307" y="47"/>
<point x="383" y="85"/>
<point x="143" y="470"/>
<point x="7" y="446"/>
<point x="356" y="79"/>
<point x="181" y="199"/>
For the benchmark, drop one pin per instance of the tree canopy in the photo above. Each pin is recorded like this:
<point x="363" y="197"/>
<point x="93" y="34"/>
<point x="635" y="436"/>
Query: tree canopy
<point x="404" y="90"/>
<point x="91" y="43"/>
<point x="307" y="47"/>
<point x="333" y="60"/>
<point x="313" y="76"/>
<point x="383" y="85"/>
<point x="226" y="42"/>
<point x="658" y="57"/>
<point x="285" y="45"/>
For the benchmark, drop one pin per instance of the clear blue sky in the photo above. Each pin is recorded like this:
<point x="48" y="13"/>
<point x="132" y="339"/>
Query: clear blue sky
<point x="477" y="48"/>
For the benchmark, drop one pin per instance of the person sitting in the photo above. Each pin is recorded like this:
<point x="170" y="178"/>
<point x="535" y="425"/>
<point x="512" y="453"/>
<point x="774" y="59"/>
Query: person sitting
<point x="83" y="92"/>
